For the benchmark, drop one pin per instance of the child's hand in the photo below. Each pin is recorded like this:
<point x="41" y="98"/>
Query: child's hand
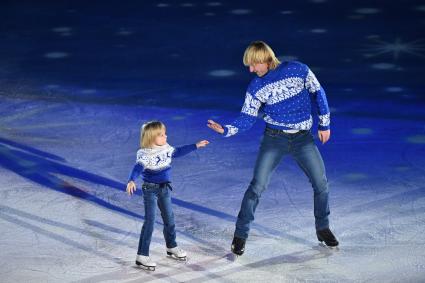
<point x="202" y="143"/>
<point x="215" y="126"/>
<point x="131" y="187"/>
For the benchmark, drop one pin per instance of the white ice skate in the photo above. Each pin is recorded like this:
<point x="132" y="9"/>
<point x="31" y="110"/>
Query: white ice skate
<point x="177" y="253"/>
<point x="145" y="262"/>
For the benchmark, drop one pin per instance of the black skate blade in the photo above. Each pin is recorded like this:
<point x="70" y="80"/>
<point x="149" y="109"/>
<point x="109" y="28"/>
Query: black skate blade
<point x="238" y="253"/>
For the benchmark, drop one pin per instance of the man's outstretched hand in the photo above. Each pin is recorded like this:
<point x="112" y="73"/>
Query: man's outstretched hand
<point x="215" y="126"/>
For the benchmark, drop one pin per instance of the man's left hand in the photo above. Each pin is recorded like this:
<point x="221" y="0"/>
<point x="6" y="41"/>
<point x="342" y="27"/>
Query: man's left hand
<point x="324" y="136"/>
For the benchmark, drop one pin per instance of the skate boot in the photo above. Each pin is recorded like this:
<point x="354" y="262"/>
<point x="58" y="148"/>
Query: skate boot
<point x="238" y="246"/>
<point x="145" y="262"/>
<point x="326" y="236"/>
<point x="177" y="253"/>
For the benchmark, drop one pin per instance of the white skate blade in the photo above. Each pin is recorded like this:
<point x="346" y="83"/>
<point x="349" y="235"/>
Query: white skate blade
<point x="145" y="267"/>
<point x="173" y="256"/>
<point x="323" y="245"/>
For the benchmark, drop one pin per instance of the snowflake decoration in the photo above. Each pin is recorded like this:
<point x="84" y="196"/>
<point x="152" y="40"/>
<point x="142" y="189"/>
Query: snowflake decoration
<point x="415" y="48"/>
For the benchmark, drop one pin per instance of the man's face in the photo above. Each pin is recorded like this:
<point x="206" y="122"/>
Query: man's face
<point x="259" y="68"/>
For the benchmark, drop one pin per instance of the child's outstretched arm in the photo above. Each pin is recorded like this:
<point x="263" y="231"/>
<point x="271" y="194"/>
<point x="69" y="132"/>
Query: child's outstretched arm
<point x="186" y="149"/>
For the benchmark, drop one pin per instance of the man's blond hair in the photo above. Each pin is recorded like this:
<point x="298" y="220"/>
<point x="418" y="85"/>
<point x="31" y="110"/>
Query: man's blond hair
<point x="149" y="132"/>
<point x="259" y="52"/>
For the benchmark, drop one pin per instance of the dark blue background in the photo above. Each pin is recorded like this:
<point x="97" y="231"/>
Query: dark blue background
<point x="162" y="52"/>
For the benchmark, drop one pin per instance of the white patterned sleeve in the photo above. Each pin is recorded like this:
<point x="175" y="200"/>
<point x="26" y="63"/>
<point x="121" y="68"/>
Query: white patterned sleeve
<point x="318" y="98"/>
<point x="247" y="117"/>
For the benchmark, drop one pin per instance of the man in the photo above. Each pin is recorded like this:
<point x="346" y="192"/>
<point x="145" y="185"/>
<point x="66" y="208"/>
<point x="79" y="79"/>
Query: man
<point x="285" y="92"/>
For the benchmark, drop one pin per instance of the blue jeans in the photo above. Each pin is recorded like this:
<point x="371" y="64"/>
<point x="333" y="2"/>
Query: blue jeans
<point x="274" y="145"/>
<point x="157" y="194"/>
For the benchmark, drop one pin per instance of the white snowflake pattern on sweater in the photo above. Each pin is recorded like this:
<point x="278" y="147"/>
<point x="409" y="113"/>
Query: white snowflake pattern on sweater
<point x="311" y="82"/>
<point x="231" y="130"/>
<point x="281" y="90"/>
<point x="325" y="120"/>
<point x="251" y="105"/>
<point x="156" y="158"/>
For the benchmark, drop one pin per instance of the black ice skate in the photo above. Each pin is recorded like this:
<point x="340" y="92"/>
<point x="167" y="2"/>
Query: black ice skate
<point x="326" y="236"/>
<point x="238" y="246"/>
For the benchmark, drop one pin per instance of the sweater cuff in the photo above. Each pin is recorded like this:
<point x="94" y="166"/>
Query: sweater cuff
<point x="324" y="128"/>
<point x="229" y="131"/>
<point x="226" y="131"/>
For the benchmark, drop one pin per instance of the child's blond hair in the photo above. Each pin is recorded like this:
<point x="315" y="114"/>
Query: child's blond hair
<point x="149" y="132"/>
<point x="259" y="52"/>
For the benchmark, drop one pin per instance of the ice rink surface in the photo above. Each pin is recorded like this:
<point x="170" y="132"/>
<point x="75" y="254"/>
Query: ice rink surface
<point x="77" y="80"/>
<point x="65" y="216"/>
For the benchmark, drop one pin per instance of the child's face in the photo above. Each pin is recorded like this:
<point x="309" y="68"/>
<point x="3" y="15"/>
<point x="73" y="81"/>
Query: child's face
<point x="161" y="138"/>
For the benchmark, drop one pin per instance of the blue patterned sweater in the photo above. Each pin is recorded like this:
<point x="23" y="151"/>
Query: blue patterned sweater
<point x="154" y="164"/>
<point x="286" y="96"/>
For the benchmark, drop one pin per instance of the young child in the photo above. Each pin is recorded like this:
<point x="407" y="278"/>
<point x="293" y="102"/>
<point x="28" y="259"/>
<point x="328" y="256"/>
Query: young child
<point x="154" y="164"/>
